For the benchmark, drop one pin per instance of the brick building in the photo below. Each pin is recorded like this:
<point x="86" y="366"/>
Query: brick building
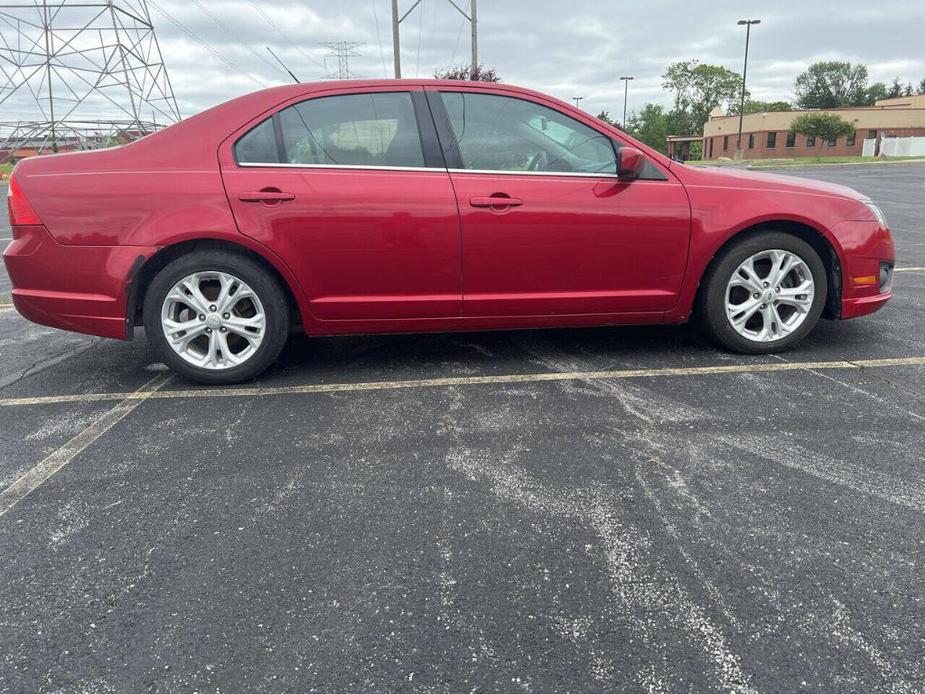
<point x="767" y="135"/>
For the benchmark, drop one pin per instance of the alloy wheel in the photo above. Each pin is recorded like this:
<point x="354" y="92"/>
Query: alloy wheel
<point x="769" y="295"/>
<point x="213" y="320"/>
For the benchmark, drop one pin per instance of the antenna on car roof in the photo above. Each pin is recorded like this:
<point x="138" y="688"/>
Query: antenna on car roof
<point x="296" y="79"/>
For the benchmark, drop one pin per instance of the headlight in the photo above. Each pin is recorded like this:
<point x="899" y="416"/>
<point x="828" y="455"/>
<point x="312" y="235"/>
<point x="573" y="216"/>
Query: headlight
<point x="878" y="213"/>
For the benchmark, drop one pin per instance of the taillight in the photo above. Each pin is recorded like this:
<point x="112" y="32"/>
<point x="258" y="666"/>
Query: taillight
<point x="21" y="211"/>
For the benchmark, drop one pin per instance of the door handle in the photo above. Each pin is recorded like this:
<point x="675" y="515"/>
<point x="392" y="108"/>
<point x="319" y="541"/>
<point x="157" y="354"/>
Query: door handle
<point x="495" y="201"/>
<point x="265" y="196"/>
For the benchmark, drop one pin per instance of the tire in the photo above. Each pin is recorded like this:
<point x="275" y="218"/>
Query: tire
<point x="781" y="320"/>
<point x="225" y="338"/>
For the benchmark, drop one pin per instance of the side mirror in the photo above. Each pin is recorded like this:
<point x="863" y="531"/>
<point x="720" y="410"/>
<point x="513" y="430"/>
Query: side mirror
<point x="629" y="163"/>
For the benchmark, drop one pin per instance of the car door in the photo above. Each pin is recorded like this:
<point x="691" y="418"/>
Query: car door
<point x="547" y="228"/>
<point x="350" y="189"/>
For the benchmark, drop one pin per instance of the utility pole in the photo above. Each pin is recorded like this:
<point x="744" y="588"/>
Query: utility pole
<point x="748" y="30"/>
<point x="626" y="93"/>
<point x="474" y="21"/>
<point x="396" y="40"/>
<point x="472" y="17"/>
<point x="576" y="99"/>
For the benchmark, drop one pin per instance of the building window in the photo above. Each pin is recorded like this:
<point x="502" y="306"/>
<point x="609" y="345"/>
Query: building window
<point x="851" y="139"/>
<point x="725" y="143"/>
<point x="751" y="140"/>
<point x="791" y="139"/>
<point x="871" y="134"/>
<point x="831" y="142"/>
<point x="810" y="140"/>
<point x="772" y="140"/>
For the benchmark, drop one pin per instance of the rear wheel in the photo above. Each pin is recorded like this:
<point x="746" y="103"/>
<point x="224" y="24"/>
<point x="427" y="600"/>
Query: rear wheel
<point x="764" y="294"/>
<point x="216" y="317"/>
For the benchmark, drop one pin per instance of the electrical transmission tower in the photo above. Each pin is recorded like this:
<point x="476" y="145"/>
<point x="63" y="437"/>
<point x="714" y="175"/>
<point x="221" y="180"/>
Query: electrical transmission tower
<point x="79" y="74"/>
<point x="343" y="51"/>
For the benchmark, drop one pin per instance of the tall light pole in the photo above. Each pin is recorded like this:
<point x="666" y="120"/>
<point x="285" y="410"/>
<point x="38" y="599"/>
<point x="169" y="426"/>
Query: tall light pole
<point x="626" y="93"/>
<point x="748" y="30"/>
<point x="576" y="99"/>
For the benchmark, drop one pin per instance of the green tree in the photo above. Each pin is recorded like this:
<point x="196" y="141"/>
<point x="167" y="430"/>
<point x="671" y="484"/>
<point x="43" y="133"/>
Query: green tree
<point x="650" y="126"/>
<point x="922" y="86"/>
<point x="605" y="116"/>
<point x="908" y="91"/>
<point x="831" y="84"/>
<point x="465" y="72"/>
<point x="753" y="106"/>
<point x="698" y="88"/>
<point x="896" y="89"/>
<point x="875" y="92"/>
<point x="822" y="126"/>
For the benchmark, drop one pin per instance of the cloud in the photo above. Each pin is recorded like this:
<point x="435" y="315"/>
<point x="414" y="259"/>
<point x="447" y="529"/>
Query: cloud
<point x="577" y="48"/>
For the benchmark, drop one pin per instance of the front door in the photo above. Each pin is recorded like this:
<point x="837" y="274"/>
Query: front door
<point x="546" y="226"/>
<point x="342" y="188"/>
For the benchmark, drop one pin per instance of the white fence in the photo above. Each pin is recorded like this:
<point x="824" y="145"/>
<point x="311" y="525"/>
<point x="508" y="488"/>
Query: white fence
<point x="869" y="148"/>
<point x="900" y="147"/>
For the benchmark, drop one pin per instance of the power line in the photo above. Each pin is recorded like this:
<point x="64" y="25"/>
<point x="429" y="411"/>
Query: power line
<point x="283" y="34"/>
<point x="398" y="18"/>
<point x="462" y="23"/>
<point x="232" y="33"/>
<point x="385" y="71"/>
<point x="191" y="34"/>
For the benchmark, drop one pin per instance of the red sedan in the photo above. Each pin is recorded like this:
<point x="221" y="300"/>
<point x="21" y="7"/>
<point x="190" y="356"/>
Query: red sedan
<point x="398" y="206"/>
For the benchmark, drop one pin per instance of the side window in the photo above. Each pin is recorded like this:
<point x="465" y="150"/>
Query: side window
<point x="258" y="146"/>
<point x="501" y="133"/>
<point x="377" y="129"/>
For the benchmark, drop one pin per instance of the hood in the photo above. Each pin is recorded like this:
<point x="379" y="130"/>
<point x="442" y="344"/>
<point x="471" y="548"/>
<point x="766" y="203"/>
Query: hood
<point x="747" y="178"/>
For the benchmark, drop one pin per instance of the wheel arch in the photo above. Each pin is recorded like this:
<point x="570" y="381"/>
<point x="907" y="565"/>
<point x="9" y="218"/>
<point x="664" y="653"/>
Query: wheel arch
<point x="811" y="235"/>
<point x="164" y="256"/>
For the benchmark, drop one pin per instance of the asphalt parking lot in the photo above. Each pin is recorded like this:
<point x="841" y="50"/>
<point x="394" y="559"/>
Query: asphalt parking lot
<point x="581" y="510"/>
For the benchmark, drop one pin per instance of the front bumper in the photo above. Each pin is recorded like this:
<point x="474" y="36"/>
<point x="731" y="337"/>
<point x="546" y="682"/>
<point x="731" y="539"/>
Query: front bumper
<point x="77" y="288"/>
<point x="868" y="247"/>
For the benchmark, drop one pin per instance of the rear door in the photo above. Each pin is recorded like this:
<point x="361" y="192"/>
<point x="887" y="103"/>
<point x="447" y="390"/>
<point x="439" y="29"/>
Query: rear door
<point x="351" y="190"/>
<point x="546" y="225"/>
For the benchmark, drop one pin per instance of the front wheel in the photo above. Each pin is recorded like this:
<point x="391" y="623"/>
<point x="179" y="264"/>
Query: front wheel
<point x="764" y="294"/>
<point x="216" y="317"/>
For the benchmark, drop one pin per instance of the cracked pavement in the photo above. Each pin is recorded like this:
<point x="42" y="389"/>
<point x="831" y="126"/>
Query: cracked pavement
<point x="741" y="531"/>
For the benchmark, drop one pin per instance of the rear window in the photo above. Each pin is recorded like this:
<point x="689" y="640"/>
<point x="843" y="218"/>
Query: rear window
<point x="258" y="146"/>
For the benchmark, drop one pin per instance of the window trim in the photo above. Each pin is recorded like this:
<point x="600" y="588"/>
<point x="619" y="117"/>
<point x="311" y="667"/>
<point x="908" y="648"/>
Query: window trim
<point x="365" y="167"/>
<point x="427" y="134"/>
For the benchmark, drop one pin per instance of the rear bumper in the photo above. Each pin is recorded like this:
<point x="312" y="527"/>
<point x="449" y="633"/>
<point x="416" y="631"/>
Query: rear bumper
<point x="77" y="288"/>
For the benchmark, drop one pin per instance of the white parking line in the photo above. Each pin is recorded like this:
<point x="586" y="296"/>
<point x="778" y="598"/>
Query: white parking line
<point x="909" y="269"/>
<point x="231" y="392"/>
<point x="37" y="475"/>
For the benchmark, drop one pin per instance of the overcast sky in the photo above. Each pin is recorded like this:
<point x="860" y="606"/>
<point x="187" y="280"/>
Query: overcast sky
<point x="574" y="48"/>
